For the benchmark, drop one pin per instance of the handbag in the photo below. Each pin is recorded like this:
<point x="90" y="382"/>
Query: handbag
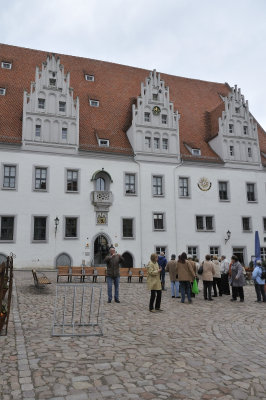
<point x="195" y="288"/>
<point x="200" y="270"/>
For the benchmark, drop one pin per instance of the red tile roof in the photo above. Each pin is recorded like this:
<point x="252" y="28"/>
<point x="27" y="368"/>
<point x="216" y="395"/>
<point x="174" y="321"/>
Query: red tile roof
<point x="116" y="87"/>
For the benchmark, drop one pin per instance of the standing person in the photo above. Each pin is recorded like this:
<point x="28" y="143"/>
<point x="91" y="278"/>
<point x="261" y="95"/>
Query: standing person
<point x="207" y="277"/>
<point x="259" y="282"/>
<point x="217" y="277"/>
<point x="154" y="283"/>
<point x="113" y="273"/>
<point x="224" y="268"/>
<point x="185" y="276"/>
<point x="162" y="264"/>
<point x="171" y="266"/>
<point x="237" y="279"/>
<point x="194" y="266"/>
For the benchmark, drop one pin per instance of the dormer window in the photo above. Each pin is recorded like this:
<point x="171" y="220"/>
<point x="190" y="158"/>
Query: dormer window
<point x="2" y="91"/>
<point x="103" y="142"/>
<point x="231" y="128"/>
<point x="6" y="65"/>
<point x="147" y="117"/>
<point x="89" y="78"/>
<point x="62" y="106"/>
<point x="195" y="152"/>
<point x="52" y="82"/>
<point x="94" y="103"/>
<point x="64" y="133"/>
<point x="164" y="119"/>
<point x="155" y="96"/>
<point x="41" y="104"/>
<point x="245" y="128"/>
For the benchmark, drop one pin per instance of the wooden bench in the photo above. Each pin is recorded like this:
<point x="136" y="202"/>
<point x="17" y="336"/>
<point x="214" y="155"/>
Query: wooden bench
<point x="134" y="273"/>
<point x="87" y="271"/>
<point x="63" y="271"/>
<point x="40" y="281"/>
<point x="99" y="271"/>
<point x="76" y="272"/>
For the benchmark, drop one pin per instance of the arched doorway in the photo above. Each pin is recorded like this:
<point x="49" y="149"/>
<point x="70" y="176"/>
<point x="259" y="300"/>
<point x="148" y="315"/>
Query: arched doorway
<point x="101" y="250"/>
<point x="128" y="260"/>
<point x="63" y="259"/>
<point x="3" y="258"/>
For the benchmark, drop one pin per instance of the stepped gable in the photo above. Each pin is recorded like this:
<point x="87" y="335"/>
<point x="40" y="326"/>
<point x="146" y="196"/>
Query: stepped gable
<point x="116" y="87"/>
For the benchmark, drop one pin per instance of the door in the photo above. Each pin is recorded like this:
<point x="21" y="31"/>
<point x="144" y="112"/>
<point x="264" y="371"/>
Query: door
<point x="240" y="253"/>
<point x="63" y="259"/>
<point x="101" y="250"/>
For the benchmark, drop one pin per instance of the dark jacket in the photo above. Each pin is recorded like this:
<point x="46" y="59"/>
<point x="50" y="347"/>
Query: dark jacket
<point x="112" y="262"/>
<point x="162" y="262"/>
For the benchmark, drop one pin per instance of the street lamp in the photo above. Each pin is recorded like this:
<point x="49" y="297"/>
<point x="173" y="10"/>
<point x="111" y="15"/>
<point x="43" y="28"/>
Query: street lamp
<point x="56" y="223"/>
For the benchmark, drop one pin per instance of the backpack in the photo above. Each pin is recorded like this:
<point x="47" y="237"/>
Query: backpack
<point x="263" y="273"/>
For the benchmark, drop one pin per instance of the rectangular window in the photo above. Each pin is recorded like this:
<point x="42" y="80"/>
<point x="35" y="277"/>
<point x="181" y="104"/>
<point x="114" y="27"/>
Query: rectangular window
<point x="147" y="117"/>
<point x="264" y="224"/>
<point x="40" y="178"/>
<point x="237" y="110"/>
<point x="94" y="103"/>
<point x="9" y="181"/>
<point x="62" y="106"/>
<point x="165" y="144"/>
<point x="6" y="65"/>
<point x="245" y="128"/>
<point x="204" y="223"/>
<point x="103" y="143"/>
<point x="64" y="133"/>
<point x="251" y="192"/>
<point x="72" y="180"/>
<point x="231" y="128"/>
<point x="38" y="130"/>
<point x="41" y="104"/>
<point x="155" y="96"/>
<point x="196" y="152"/>
<point x="223" y="190"/>
<point x="39" y="232"/>
<point x="214" y="251"/>
<point x="263" y="253"/>
<point x="249" y="152"/>
<point x="89" y="78"/>
<point x="157" y="185"/>
<point x="2" y="91"/>
<point x="183" y="187"/>
<point x="52" y="82"/>
<point x="71" y="227"/>
<point x="246" y="224"/>
<point x="158" y="221"/>
<point x="128" y="228"/>
<point x="231" y="151"/>
<point x="130" y="183"/>
<point x="164" y="119"/>
<point x="147" y="142"/>
<point x="156" y="143"/>
<point x="6" y="228"/>
<point x="160" y="249"/>
<point x="193" y="250"/>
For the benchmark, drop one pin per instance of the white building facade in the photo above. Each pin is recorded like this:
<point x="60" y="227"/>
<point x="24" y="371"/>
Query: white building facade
<point x="62" y="204"/>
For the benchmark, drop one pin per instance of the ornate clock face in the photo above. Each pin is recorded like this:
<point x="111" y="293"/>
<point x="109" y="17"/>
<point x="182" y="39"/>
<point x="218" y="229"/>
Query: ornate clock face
<point x="204" y="184"/>
<point x="156" y="110"/>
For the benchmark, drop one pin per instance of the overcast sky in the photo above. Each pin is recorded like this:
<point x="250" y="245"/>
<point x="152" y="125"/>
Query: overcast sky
<point x="213" y="40"/>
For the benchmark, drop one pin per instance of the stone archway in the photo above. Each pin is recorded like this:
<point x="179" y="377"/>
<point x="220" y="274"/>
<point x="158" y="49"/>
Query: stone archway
<point x="128" y="260"/>
<point x="63" y="259"/>
<point x="100" y="249"/>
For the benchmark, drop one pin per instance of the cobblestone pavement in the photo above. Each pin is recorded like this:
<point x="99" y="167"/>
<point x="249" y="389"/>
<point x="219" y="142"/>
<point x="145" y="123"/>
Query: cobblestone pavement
<point x="206" y="350"/>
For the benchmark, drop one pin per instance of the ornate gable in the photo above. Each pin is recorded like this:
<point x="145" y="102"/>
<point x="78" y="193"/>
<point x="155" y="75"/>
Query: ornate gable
<point x="155" y="129"/>
<point x="50" y="113"/>
<point x="237" y="139"/>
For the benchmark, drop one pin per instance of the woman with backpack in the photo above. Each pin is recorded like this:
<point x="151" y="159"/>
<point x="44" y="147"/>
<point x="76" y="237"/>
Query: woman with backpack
<point x="258" y="276"/>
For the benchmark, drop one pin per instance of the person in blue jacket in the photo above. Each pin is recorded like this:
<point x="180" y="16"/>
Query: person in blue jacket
<point x="259" y="282"/>
<point x="162" y="264"/>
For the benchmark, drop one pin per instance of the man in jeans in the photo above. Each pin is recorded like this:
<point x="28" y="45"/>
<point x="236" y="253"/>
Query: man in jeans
<point x="113" y="273"/>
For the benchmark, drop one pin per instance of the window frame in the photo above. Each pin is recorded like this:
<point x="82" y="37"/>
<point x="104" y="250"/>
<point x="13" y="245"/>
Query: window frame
<point x="135" y="183"/>
<point x="101" y="144"/>
<point x="227" y="191"/>
<point x="46" y="229"/>
<point x="264" y="224"/>
<point x="213" y="253"/>
<point x="147" y="116"/>
<point x="255" y="192"/>
<point x="165" y="140"/>
<point x="204" y="219"/>
<point x="41" y="101"/>
<point x="38" y="128"/>
<point x="60" y="106"/>
<point x="88" y="77"/>
<point x="14" y="216"/>
<point x="3" y="176"/>
<point x="78" y="180"/>
<point x="188" y="187"/>
<point x="2" y="91"/>
<point x="147" y="139"/>
<point x="133" y="228"/>
<point x="250" y="230"/>
<point x="164" y="119"/>
<point x="163" y="248"/>
<point x="6" y="65"/>
<point x="94" y="103"/>
<point x="162" y="185"/>
<point x="189" y="251"/>
<point x="64" y="133"/>
<point x="158" y="145"/>
<point x="34" y="178"/>
<point x="74" y="217"/>
<point x="163" y="219"/>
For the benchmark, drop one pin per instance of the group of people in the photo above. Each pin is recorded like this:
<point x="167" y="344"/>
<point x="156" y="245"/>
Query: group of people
<point x="217" y="276"/>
